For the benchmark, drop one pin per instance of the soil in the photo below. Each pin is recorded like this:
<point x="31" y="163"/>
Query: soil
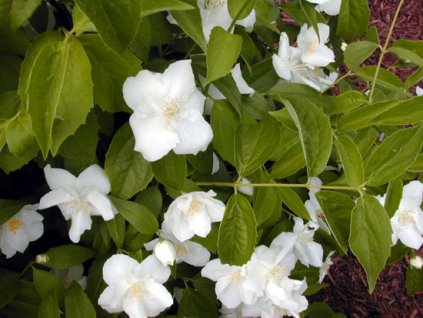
<point x="347" y="287"/>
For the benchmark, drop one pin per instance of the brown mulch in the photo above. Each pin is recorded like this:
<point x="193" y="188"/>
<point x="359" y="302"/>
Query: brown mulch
<point x="347" y="286"/>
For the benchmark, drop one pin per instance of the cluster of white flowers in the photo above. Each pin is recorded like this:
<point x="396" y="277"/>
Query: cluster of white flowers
<point x="331" y="7"/>
<point x="262" y="287"/>
<point x="407" y="222"/>
<point x="303" y="64"/>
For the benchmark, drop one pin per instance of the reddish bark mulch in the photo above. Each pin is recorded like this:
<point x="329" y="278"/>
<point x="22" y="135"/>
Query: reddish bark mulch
<point x="347" y="286"/>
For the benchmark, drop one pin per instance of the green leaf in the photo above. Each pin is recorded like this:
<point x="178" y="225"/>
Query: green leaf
<point x="357" y="52"/>
<point x="224" y="122"/>
<point x="417" y="166"/>
<point x="347" y="101"/>
<point x="153" y="6"/>
<point x="116" y="21"/>
<point x="53" y="70"/>
<point x="353" y="19"/>
<point x="49" y="308"/>
<point x="315" y="134"/>
<point x="10" y="162"/>
<point x="390" y="159"/>
<point x="408" y="50"/>
<point x="414" y="280"/>
<point x="66" y="256"/>
<point x="240" y="9"/>
<point x="128" y="171"/>
<point x="266" y="201"/>
<point x="254" y="144"/>
<point x="351" y="160"/>
<point x="77" y="303"/>
<point x="19" y="135"/>
<point x="10" y="66"/>
<point x="190" y="23"/>
<point x="370" y="236"/>
<point x="194" y="304"/>
<point x="372" y="35"/>
<point x="222" y="52"/>
<point x="393" y="196"/>
<point x="47" y="284"/>
<point x="291" y="199"/>
<point x="10" y="105"/>
<point x="116" y="229"/>
<point x="8" y="208"/>
<point x="81" y="22"/>
<point x="171" y="170"/>
<point x="303" y="12"/>
<point x="385" y="79"/>
<point x="109" y="71"/>
<point x="337" y="209"/>
<point x="237" y="232"/>
<point x="139" y="216"/>
<point x="20" y="11"/>
<point x="385" y="113"/>
<point x="9" y="285"/>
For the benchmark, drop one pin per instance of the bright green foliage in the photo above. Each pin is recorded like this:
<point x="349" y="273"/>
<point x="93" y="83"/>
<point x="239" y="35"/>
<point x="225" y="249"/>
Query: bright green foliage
<point x="351" y="160"/>
<point x="194" y="304"/>
<point x="237" y="232"/>
<point x="77" y="303"/>
<point x="54" y="69"/>
<point x="357" y="52"/>
<point x="240" y="9"/>
<point x="49" y="308"/>
<point x="19" y="11"/>
<point x="171" y="170"/>
<point x="370" y="237"/>
<point x="128" y="171"/>
<point x="153" y="6"/>
<point x="353" y="19"/>
<point x="116" y="21"/>
<point x="66" y="256"/>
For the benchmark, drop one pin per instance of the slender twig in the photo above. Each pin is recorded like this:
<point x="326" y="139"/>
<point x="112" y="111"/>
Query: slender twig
<point x="383" y="51"/>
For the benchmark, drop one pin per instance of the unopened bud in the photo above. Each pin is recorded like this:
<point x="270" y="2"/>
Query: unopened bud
<point x="41" y="258"/>
<point x="416" y="262"/>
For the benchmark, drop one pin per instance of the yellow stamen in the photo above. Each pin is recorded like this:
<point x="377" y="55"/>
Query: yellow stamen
<point x="14" y="225"/>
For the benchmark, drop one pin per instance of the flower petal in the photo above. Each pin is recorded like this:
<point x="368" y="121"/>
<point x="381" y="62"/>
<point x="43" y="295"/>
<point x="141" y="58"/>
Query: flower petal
<point x="111" y="299"/>
<point x="102" y="204"/>
<point x="95" y="177"/>
<point x="117" y="268"/>
<point x="158" y="299"/>
<point x="54" y="197"/>
<point x="178" y="79"/>
<point x="196" y="254"/>
<point x="80" y="222"/>
<point x="151" y="266"/>
<point x="153" y="137"/>
<point x="240" y="82"/>
<point x="58" y="178"/>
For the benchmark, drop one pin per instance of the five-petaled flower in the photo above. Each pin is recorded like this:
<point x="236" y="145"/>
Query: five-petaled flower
<point x="168" y="112"/>
<point x="135" y="288"/>
<point x="78" y="197"/>
<point x="24" y="227"/>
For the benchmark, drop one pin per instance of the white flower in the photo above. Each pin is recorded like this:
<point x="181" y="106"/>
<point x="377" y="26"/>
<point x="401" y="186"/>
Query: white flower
<point x="24" y="227"/>
<point x="407" y="222"/>
<point x="216" y="164"/>
<point x="192" y="214"/>
<point x="314" y="52"/>
<point x="135" y="288"/>
<point x="419" y="91"/>
<point x="169" y="249"/>
<point x="240" y="82"/>
<point x="245" y="190"/>
<point x="325" y="266"/>
<point x="78" y="197"/>
<point x="168" y="112"/>
<point x="331" y="7"/>
<point x="416" y="262"/>
<point x="234" y="284"/>
<point x="289" y="66"/>
<point x="313" y="206"/>
<point x="294" y="305"/>
<point x="271" y="268"/>
<point x="67" y="276"/>
<point x="305" y="249"/>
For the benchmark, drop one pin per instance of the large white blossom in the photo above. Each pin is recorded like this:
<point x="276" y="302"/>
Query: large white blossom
<point x="24" y="227"/>
<point x="192" y="214"/>
<point x="407" y="222"/>
<point x="331" y="7"/>
<point x="289" y="66"/>
<point x="168" y="249"/>
<point x="135" y="288"/>
<point x="301" y="241"/>
<point x="168" y="112"/>
<point x="314" y="52"/>
<point x="234" y="284"/>
<point x="313" y="206"/>
<point x="78" y="198"/>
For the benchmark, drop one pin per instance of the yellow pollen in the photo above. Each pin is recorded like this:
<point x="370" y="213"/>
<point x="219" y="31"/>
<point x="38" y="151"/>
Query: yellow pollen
<point x="278" y="273"/>
<point x="193" y="208"/>
<point x="313" y="47"/>
<point x="181" y="249"/>
<point x="213" y="4"/>
<point x="171" y="109"/>
<point x="136" y="291"/>
<point x="14" y="225"/>
<point x="320" y="215"/>
<point x="405" y="218"/>
<point x="76" y="206"/>
<point x="236" y="277"/>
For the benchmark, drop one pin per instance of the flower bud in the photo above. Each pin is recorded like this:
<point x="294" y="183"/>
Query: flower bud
<point x="165" y="252"/>
<point x="416" y="262"/>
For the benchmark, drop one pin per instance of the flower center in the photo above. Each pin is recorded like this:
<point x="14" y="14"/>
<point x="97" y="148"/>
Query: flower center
<point x="214" y="4"/>
<point x="304" y="239"/>
<point x="181" y="250"/>
<point x="171" y="108"/>
<point x="136" y="291"/>
<point x="278" y="273"/>
<point x="406" y="218"/>
<point x="76" y="206"/>
<point x="14" y="225"/>
<point x="236" y="277"/>
<point x="320" y="215"/>
<point x="313" y="47"/>
<point x="193" y="208"/>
